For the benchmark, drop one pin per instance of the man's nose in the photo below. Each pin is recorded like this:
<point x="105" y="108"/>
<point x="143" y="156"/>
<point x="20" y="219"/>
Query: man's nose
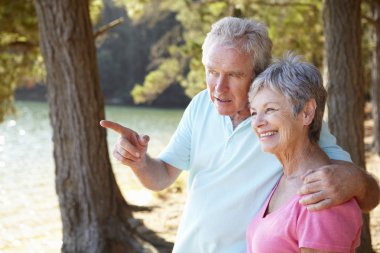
<point x="221" y="83"/>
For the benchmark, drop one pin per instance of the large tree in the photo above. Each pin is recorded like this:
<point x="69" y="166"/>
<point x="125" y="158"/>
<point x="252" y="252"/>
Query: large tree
<point x="375" y="73"/>
<point x="342" y="28"/>
<point x="95" y="216"/>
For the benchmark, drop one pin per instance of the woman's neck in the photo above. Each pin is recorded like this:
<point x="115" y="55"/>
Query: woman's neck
<point x="299" y="159"/>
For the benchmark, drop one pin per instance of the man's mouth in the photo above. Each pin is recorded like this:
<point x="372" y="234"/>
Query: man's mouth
<point x="222" y="100"/>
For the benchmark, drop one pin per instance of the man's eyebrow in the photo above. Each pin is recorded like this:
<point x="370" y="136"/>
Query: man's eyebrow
<point x="237" y="73"/>
<point x="233" y="72"/>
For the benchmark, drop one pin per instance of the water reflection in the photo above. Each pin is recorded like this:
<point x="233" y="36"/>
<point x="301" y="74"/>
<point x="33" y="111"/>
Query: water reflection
<point x="29" y="213"/>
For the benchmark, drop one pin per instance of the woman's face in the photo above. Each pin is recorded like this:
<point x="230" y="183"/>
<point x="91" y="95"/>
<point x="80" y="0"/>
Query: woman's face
<point x="274" y="123"/>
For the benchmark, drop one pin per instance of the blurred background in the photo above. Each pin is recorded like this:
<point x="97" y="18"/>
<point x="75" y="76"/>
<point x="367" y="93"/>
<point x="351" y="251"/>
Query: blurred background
<point x="148" y="55"/>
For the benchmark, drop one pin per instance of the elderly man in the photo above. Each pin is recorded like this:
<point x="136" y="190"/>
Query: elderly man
<point x="229" y="176"/>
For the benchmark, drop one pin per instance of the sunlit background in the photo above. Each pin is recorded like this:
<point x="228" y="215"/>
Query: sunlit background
<point x="29" y="211"/>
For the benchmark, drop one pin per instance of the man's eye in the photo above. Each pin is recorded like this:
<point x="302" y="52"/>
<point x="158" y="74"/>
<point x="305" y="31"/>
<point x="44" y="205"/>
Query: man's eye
<point x="235" y="75"/>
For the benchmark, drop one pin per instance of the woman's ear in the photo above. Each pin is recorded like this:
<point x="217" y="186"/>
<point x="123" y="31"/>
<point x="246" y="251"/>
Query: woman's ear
<point x="309" y="111"/>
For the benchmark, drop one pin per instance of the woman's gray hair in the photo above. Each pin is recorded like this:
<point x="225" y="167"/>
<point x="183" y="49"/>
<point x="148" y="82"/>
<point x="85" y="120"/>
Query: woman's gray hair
<point x="248" y="36"/>
<point x="299" y="82"/>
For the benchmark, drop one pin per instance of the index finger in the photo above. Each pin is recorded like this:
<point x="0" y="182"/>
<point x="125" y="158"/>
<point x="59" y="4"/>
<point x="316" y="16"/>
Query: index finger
<point x="124" y="131"/>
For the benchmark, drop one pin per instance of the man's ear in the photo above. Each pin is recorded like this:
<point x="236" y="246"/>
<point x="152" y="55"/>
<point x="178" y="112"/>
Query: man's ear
<point x="309" y="111"/>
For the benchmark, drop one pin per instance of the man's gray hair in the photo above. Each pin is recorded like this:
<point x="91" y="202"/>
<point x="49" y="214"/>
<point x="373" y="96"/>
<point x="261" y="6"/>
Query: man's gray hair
<point x="248" y="36"/>
<point x="299" y="82"/>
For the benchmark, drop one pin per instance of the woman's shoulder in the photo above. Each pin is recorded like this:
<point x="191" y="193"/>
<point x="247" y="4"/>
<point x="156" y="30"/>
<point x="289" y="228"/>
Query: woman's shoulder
<point x="332" y="229"/>
<point x="348" y="212"/>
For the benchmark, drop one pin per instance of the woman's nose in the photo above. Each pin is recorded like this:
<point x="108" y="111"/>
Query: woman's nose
<point x="257" y="121"/>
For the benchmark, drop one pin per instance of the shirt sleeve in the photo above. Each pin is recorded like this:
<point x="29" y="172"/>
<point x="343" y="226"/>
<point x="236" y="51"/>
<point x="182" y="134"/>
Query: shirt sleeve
<point x="327" y="142"/>
<point x="177" y="152"/>
<point x="334" y="229"/>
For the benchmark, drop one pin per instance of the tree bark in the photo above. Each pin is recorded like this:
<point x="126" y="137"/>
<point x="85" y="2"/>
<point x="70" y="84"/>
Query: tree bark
<point x="95" y="217"/>
<point x="375" y="74"/>
<point x="342" y="29"/>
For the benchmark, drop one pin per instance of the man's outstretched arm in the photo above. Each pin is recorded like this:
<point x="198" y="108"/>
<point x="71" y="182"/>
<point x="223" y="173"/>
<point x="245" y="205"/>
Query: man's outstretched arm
<point x="131" y="150"/>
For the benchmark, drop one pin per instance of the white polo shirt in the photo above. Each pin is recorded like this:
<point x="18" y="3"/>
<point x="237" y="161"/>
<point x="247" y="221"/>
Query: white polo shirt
<point x="229" y="177"/>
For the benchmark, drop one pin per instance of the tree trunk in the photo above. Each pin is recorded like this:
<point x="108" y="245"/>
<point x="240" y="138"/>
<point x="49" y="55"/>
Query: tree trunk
<point x="342" y="29"/>
<point x="95" y="217"/>
<point x="375" y="75"/>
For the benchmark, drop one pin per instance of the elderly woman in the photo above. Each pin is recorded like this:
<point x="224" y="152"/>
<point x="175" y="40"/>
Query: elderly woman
<point x="287" y="102"/>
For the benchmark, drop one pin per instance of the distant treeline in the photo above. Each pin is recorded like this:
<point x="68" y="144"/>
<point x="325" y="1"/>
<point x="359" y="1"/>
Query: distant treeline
<point x="125" y="54"/>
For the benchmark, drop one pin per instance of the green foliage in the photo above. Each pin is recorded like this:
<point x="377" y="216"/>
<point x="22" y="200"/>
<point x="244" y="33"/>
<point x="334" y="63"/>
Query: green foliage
<point x="135" y="8"/>
<point x="20" y="61"/>
<point x="194" y="81"/>
<point x="18" y="49"/>
<point x="293" y="25"/>
<point x="96" y="7"/>
<point x="157" y="81"/>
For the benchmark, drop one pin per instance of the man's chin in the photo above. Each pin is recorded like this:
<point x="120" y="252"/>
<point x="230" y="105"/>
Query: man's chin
<point x="223" y="112"/>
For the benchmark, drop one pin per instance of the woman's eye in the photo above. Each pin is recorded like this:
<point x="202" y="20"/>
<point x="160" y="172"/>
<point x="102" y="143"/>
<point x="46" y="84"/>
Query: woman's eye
<point x="253" y="113"/>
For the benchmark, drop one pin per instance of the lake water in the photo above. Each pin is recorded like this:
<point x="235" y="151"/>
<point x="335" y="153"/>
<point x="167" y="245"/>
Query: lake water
<point x="29" y="213"/>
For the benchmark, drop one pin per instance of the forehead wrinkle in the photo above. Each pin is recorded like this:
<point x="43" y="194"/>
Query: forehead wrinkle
<point x="235" y="57"/>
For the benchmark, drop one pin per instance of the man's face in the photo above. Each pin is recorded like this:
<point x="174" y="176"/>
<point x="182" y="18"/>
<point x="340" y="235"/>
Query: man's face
<point x="229" y="74"/>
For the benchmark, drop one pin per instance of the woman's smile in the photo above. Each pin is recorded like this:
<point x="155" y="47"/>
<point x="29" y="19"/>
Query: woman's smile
<point x="262" y="135"/>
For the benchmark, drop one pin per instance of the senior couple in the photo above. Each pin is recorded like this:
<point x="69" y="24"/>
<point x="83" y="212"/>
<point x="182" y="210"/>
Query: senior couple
<point x="302" y="194"/>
